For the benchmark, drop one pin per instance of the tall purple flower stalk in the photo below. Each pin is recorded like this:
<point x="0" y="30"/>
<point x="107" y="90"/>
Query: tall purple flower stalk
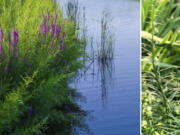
<point x="45" y="24"/>
<point x="58" y="30"/>
<point x="55" y="30"/>
<point x="1" y="40"/>
<point x="13" y="41"/>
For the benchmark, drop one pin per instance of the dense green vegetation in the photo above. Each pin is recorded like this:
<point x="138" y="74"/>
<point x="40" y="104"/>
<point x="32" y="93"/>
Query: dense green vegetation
<point x="39" y="53"/>
<point x="160" y="67"/>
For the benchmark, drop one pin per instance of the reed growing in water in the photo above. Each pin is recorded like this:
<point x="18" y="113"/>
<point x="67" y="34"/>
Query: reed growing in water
<point x="105" y="51"/>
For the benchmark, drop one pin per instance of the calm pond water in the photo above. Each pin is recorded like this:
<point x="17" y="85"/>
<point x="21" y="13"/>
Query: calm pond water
<point x="114" y="101"/>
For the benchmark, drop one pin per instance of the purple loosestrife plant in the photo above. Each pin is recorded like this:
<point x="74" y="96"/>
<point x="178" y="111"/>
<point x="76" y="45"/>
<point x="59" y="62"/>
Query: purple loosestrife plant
<point x="13" y="48"/>
<point x="15" y="36"/>
<point x="15" y="42"/>
<point x="1" y="40"/>
<point x="44" y="29"/>
<point x="58" y="30"/>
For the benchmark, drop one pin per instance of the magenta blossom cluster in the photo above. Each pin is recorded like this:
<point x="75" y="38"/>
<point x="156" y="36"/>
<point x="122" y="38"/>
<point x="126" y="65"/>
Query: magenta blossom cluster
<point x="13" y="39"/>
<point x="54" y="28"/>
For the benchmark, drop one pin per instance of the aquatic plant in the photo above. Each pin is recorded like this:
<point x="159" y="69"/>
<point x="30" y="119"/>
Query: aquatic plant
<point x="105" y="51"/>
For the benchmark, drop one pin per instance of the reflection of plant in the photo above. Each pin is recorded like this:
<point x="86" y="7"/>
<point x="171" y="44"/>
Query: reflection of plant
<point x="160" y="64"/>
<point x="72" y="11"/>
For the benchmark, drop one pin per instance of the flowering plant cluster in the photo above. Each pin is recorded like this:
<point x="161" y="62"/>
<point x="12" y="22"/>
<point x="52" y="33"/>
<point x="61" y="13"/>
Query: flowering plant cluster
<point x="13" y="39"/>
<point x="37" y="58"/>
<point x="57" y="37"/>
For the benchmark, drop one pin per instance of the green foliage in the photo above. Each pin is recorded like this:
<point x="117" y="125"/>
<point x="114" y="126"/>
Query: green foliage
<point x="34" y="95"/>
<point x="160" y="67"/>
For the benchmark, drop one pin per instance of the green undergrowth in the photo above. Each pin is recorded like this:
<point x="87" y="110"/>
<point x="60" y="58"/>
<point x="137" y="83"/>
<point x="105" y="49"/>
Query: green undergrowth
<point x="160" y="67"/>
<point x="34" y="95"/>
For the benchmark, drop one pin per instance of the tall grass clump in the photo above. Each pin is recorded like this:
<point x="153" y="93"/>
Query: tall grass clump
<point x="105" y="50"/>
<point x="160" y="67"/>
<point x="39" y="53"/>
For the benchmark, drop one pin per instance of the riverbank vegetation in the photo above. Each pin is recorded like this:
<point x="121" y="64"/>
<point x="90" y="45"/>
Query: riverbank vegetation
<point x="39" y="53"/>
<point x="160" y="67"/>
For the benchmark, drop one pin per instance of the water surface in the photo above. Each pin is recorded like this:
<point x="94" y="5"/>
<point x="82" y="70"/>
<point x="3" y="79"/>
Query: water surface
<point x="114" y="100"/>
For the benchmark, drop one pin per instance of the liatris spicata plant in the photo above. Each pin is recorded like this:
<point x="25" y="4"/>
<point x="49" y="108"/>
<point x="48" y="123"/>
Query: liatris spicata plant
<point x="1" y="40"/>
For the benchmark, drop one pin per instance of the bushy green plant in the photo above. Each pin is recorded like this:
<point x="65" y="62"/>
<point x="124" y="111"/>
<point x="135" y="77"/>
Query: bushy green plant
<point x="34" y="94"/>
<point x="160" y="67"/>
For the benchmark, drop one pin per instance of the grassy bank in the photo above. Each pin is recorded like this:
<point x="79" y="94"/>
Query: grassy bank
<point x="39" y="53"/>
<point x="160" y="67"/>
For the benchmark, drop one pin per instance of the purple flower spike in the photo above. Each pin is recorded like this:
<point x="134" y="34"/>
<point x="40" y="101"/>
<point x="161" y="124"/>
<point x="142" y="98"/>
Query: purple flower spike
<point x="53" y="29"/>
<point x="1" y="35"/>
<point x="58" y="30"/>
<point x="15" y="42"/>
<point x="61" y="45"/>
<point x="30" y="111"/>
<point x="15" y="36"/>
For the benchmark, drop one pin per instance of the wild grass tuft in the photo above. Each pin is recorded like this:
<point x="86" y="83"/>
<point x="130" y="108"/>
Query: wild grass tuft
<point x="105" y="51"/>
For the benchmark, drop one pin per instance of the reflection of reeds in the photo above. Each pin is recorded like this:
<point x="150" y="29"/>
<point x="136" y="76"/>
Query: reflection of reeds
<point x="106" y="46"/>
<point x="72" y="11"/>
<point x="105" y="71"/>
<point x="105" y="55"/>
